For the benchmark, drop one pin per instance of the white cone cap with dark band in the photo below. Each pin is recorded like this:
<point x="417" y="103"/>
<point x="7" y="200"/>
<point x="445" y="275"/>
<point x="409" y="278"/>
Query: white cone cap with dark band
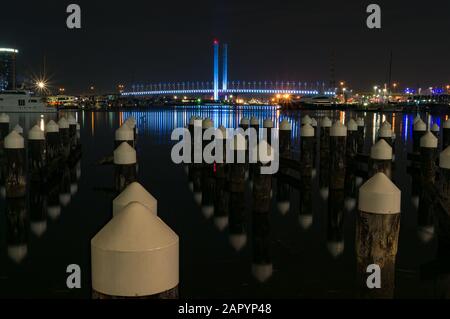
<point x="420" y="126"/>
<point x="306" y="120"/>
<point x="36" y="134"/>
<point x="307" y="131"/>
<point x="444" y="158"/>
<point x="124" y="133"/>
<point x="62" y="123"/>
<point x="51" y="127"/>
<point x="268" y="123"/>
<point x="352" y="126"/>
<point x="429" y="140"/>
<point x="326" y="122"/>
<point x="134" y="192"/>
<point x="285" y="125"/>
<point x="338" y="129"/>
<point x="4" y="118"/>
<point x="124" y="154"/>
<point x="381" y="151"/>
<point x="14" y="141"/>
<point x="379" y="196"/>
<point x="135" y="254"/>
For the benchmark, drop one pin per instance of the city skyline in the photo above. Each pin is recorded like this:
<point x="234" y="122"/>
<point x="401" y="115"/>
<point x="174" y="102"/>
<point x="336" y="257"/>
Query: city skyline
<point x="146" y="43"/>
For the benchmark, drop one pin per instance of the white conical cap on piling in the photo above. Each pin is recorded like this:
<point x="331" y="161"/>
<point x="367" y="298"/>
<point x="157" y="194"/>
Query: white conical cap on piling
<point x="429" y="140"/>
<point x="62" y="123"/>
<point x="417" y="118"/>
<point x="420" y="126"/>
<point x="307" y="131"/>
<point x="36" y="134"/>
<point x="4" y="118"/>
<point x="262" y="272"/>
<point x="313" y="122"/>
<point x="51" y="127"/>
<point x="14" y="141"/>
<point x="18" y="129"/>
<point x="268" y="123"/>
<point x="124" y="133"/>
<point x="135" y="192"/>
<point x="326" y="122"/>
<point x="244" y="121"/>
<point x="135" y="254"/>
<point x="435" y="128"/>
<point x="254" y="121"/>
<point x="352" y="126"/>
<point x="360" y="121"/>
<point x="385" y="131"/>
<point x="306" y="120"/>
<point x="381" y="150"/>
<point x="444" y="158"/>
<point x="124" y="154"/>
<point x="338" y="129"/>
<point x="386" y="124"/>
<point x="207" y="123"/>
<point x="446" y="124"/>
<point x="285" y="125"/>
<point x="71" y="120"/>
<point x="379" y="196"/>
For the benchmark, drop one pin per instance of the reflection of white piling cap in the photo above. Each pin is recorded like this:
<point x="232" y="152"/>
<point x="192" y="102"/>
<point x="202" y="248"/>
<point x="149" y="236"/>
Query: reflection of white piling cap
<point x="238" y="241"/>
<point x="221" y="222"/>
<point x="207" y="123"/>
<point x="51" y="127"/>
<point x="446" y="124"/>
<point x="262" y="272"/>
<point x="64" y="199"/>
<point x="36" y="134"/>
<point x="254" y="121"/>
<point x="198" y="196"/>
<point x="435" y="128"/>
<point x="385" y="132"/>
<point x="124" y="154"/>
<point x="283" y="207"/>
<point x="338" y="129"/>
<point x="335" y="248"/>
<point x="425" y="233"/>
<point x="324" y="192"/>
<point x="62" y="123"/>
<point x="124" y="133"/>
<point x="268" y="123"/>
<point x="381" y="151"/>
<point x="38" y="228"/>
<point x="134" y="192"/>
<point x="307" y="131"/>
<point x="14" y="141"/>
<point x="350" y="203"/>
<point x="285" y="125"/>
<point x="326" y="122"/>
<point x="71" y="120"/>
<point x="429" y="140"/>
<point x="208" y="211"/>
<point x="379" y="196"/>
<point x="352" y="126"/>
<point x="420" y="126"/>
<point x="135" y="254"/>
<point x="245" y="121"/>
<point x="305" y="221"/>
<point x="313" y="122"/>
<point x="4" y="118"/>
<point x="18" y="129"/>
<point x="306" y="120"/>
<point x="360" y="121"/>
<point x="17" y="252"/>
<point x="444" y="158"/>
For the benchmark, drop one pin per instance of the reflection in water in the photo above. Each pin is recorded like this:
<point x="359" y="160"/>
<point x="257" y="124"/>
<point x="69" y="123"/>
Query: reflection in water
<point x="16" y="228"/>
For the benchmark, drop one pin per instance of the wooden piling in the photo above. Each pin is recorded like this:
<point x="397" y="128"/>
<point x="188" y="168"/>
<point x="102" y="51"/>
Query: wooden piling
<point x="16" y="177"/>
<point x="428" y="155"/>
<point x="338" y="136"/>
<point x="124" y="166"/>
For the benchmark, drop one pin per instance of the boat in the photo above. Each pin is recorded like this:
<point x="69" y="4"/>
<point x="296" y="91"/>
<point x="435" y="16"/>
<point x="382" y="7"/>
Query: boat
<point x="22" y="101"/>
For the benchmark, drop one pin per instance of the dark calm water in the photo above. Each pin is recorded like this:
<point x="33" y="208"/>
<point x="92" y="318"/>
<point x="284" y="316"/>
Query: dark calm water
<point x="303" y="258"/>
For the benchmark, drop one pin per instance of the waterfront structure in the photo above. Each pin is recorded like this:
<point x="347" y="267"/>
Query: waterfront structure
<point x="8" y="68"/>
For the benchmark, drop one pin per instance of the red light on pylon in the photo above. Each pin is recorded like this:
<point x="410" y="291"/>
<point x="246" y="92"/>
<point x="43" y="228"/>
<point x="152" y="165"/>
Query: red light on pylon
<point x="216" y="41"/>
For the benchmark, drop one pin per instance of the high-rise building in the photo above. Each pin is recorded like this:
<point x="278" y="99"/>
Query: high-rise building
<point x="8" y="68"/>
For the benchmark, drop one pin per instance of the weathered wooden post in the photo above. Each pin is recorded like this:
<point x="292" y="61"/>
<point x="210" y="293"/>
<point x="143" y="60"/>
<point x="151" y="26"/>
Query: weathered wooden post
<point x="53" y="143"/>
<point x="134" y="192"/>
<point x="268" y="127"/>
<point x="4" y="127"/>
<point x="72" y="131"/>
<point x="222" y="195"/>
<point x="377" y="229"/>
<point x="352" y="139"/>
<point x="428" y="154"/>
<point x="380" y="160"/>
<point x="262" y="267"/>
<point x="124" y="134"/>
<point x="208" y="179"/>
<point x="285" y="138"/>
<point x="64" y="137"/>
<point x="444" y="181"/>
<point x="360" y="123"/>
<point x="16" y="177"/>
<point x="124" y="166"/>
<point x="420" y="129"/>
<point x="237" y="169"/>
<point x="262" y="185"/>
<point x="135" y="255"/>
<point x="307" y="150"/>
<point x="446" y="134"/>
<point x="36" y="153"/>
<point x="338" y="135"/>
<point x="325" y="126"/>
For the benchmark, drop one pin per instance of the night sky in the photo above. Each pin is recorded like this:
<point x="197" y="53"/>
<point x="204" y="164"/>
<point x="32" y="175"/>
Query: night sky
<point x="166" y="41"/>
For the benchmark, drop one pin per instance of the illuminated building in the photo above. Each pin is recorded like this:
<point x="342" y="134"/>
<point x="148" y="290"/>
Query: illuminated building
<point x="8" y="68"/>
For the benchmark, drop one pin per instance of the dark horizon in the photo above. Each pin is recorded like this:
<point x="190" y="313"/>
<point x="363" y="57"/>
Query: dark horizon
<point x="145" y="42"/>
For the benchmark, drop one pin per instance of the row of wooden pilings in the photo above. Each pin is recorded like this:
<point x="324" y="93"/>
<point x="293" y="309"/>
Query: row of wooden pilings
<point x="37" y="177"/>
<point x="135" y="255"/>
